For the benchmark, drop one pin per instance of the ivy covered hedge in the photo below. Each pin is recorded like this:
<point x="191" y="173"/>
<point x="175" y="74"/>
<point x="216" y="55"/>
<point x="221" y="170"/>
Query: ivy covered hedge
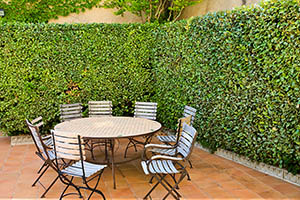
<point x="44" y="65"/>
<point x="239" y="68"/>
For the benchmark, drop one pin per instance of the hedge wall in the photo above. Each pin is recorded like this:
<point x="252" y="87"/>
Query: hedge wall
<point x="43" y="66"/>
<point x="239" y="68"/>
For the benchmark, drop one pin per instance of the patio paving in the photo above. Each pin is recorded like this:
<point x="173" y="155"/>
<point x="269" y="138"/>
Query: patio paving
<point x="212" y="178"/>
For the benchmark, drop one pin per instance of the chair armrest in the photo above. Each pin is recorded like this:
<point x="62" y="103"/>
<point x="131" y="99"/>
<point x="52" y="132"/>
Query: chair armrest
<point x="162" y="157"/>
<point x="162" y="146"/>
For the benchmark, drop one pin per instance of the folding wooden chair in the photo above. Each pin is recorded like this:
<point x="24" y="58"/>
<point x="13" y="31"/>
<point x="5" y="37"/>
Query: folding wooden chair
<point x="160" y="166"/>
<point x="70" y="111"/>
<point x="43" y="150"/>
<point x="71" y="147"/>
<point x="145" y="110"/>
<point x="168" y="139"/>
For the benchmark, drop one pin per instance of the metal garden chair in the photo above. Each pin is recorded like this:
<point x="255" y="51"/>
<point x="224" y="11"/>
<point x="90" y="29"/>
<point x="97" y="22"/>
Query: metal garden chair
<point x="160" y="166"/>
<point x="168" y="139"/>
<point x="47" y="140"/>
<point x="169" y="149"/>
<point x="71" y="147"/>
<point x="99" y="109"/>
<point x="43" y="150"/>
<point x="70" y="111"/>
<point x="145" y="110"/>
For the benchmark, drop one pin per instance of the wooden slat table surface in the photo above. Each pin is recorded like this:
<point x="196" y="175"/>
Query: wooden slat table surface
<point x="109" y="127"/>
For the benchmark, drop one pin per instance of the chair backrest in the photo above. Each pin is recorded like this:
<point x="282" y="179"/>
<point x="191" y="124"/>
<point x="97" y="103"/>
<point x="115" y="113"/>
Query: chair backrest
<point x="68" y="145"/>
<point x="100" y="108"/>
<point x="38" y="122"/>
<point x="36" y="137"/>
<point x="188" y="110"/>
<point x="186" y="140"/>
<point x="70" y="111"/>
<point x="183" y="120"/>
<point x="145" y="110"/>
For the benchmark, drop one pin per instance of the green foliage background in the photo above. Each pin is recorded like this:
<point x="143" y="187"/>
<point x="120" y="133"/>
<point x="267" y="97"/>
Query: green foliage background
<point x="240" y="69"/>
<point x="37" y="11"/>
<point x="44" y="65"/>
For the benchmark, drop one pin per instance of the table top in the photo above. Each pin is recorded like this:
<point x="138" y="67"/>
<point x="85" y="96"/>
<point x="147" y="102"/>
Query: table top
<point x="109" y="127"/>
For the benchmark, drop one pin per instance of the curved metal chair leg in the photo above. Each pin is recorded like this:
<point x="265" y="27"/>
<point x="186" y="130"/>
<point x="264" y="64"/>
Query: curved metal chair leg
<point x="188" y="176"/>
<point x="95" y="190"/>
<point x="63" y="193"/>
<point x="151" y="180"/>
<point x="69" y="183"/>
<point x="127" y="147"/>
<point x="174" y="179"/>
<point x="92" y="150"/>
<point x="50" y="186"/>
<point x="42" y="167"/>
<point x="40" y="176"/>
<point x="191" y="166"/>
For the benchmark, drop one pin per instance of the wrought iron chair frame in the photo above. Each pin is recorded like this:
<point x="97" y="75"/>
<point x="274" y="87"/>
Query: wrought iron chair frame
<point x="42" y="153"/>
<point x="63" y="175"/>
<point x="189" y="135"/>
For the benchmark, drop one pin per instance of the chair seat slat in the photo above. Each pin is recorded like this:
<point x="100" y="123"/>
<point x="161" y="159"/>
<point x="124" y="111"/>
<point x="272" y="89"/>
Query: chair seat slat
<point x="161" y="167"/>
<point x="90" y="169"/>
<point x="166" y="138"/>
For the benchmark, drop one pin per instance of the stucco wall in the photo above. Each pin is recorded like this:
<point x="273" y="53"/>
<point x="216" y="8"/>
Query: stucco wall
<point x="102" y="15"/>
<point x="214" y="5"/>
<point x="97" y="15"/>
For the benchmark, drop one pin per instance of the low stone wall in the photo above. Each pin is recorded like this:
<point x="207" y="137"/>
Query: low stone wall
<point x="20" y="140"/>
<point x="261" y="167"/>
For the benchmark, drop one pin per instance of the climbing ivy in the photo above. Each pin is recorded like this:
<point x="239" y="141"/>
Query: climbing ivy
<point x="36" y="11"/>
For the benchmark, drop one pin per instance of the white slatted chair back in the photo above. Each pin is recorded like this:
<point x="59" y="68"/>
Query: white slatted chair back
<point x="70" y="111"/>
<point x="188" y="110"/>
<point x="100" y="108"/>
<point x="186" y="140"/>
<point x="38" y="122"/>
<point x="145" y="110"/>
<point x="35" y="134"/>
<point x="66" y="145"/>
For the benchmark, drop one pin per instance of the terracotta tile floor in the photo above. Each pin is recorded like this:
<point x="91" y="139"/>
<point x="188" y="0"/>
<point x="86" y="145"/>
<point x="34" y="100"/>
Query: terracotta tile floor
<point x="212" y="178"/>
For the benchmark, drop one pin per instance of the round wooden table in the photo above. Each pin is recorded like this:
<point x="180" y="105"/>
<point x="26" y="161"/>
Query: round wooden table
<point x="110" y="128"/>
